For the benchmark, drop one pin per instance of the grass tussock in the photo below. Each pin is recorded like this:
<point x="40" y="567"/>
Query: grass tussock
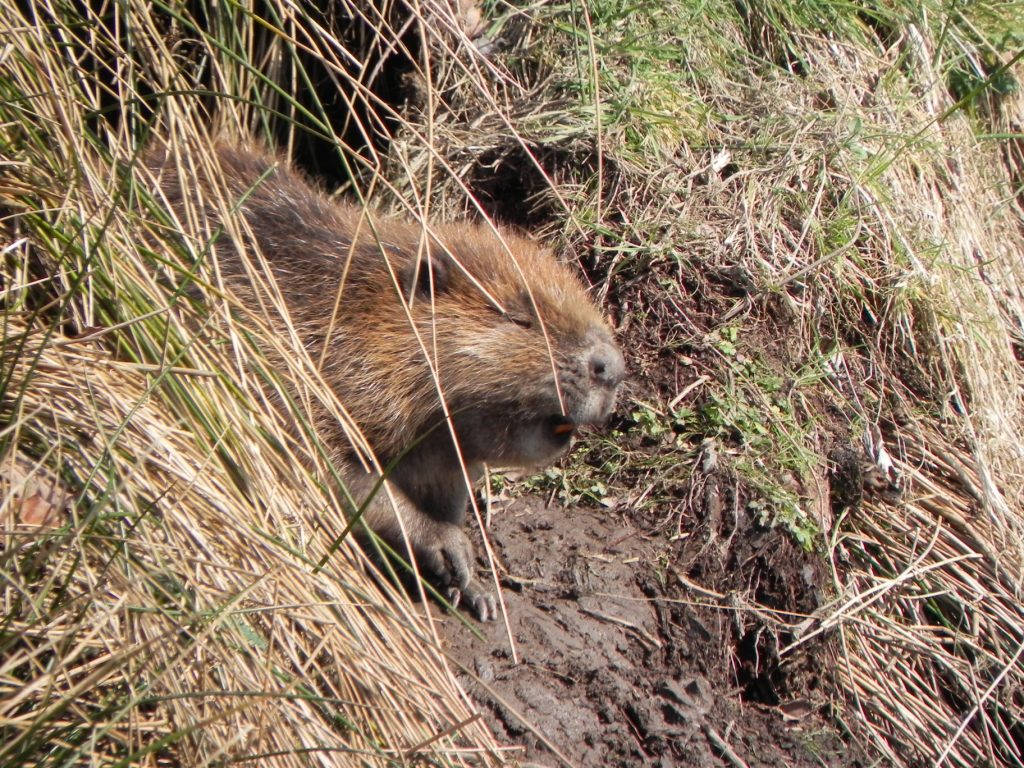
<point x="814" y="210"/>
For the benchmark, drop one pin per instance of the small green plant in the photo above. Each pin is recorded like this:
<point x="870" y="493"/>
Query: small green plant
<point x="753" y="418"/>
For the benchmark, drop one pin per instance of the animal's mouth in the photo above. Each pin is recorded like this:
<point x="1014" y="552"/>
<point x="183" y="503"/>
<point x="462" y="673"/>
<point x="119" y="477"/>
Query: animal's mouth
<point x="560" y="428"/>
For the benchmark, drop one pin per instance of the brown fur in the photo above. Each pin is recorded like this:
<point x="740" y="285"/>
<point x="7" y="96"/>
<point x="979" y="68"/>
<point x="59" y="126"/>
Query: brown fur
<point x="497" y="316"/>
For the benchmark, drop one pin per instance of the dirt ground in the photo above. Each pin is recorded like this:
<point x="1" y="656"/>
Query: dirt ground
<point x="625" y="661"/>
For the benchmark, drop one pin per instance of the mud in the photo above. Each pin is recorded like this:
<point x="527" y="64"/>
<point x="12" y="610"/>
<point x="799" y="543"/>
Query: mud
<point x="638" y="650"/>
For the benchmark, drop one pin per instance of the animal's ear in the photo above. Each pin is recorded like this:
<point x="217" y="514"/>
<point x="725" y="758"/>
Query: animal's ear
<point x="427" y="275"/>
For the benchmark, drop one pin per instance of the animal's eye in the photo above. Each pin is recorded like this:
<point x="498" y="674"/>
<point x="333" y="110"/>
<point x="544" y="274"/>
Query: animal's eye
<point x="521" y="319"/>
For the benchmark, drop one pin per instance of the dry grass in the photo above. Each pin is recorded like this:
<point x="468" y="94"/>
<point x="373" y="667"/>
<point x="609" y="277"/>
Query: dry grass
<point x="930" y="633"/>
<point x="178" y="604"/>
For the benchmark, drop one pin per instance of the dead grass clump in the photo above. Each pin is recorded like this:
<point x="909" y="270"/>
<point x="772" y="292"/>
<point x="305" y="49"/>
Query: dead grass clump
<point x="930" y="622"/>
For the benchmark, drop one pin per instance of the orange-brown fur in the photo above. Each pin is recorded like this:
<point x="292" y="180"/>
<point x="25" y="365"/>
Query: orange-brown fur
<point x="497" y="317"/>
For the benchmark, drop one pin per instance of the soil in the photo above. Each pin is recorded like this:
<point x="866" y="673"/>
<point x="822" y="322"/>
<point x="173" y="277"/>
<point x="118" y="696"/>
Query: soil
<point x="636" y="651"/>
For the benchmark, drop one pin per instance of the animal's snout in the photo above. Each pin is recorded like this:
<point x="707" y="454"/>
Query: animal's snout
<point x="606" y="365"/>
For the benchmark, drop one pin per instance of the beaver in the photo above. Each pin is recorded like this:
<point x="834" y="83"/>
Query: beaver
<point x="450" y="346"/>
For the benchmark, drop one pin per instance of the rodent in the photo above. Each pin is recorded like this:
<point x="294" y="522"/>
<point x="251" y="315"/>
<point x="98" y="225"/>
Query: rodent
<point x="496" y="313"/>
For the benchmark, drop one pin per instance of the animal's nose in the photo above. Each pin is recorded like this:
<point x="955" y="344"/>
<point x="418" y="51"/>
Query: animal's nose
<point x="607" y="366"/>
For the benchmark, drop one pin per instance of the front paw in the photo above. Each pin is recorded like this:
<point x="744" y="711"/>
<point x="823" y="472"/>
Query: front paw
<point x="447" y="556"/>
<point x="477" y="601"/>
<point x="448" y="560"/>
